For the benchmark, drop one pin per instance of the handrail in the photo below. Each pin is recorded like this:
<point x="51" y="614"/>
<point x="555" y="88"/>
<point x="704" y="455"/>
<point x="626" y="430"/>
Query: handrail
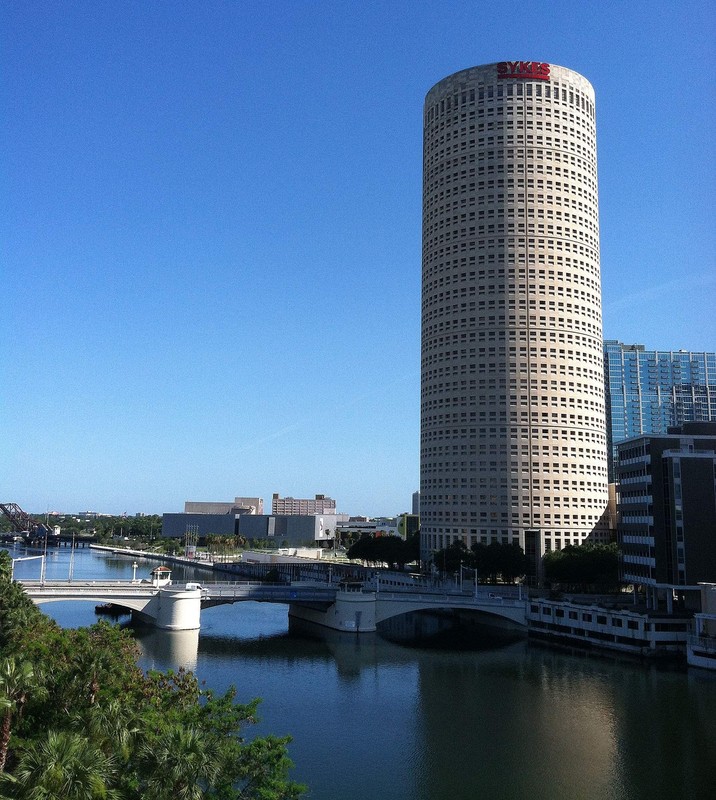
<point x="234" y="590"/>
<point x="462" y="599"/>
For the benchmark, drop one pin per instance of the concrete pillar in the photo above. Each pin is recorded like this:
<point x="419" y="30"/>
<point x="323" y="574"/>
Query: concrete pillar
<point x="174" y="609"/>
<point x="352" y="611"/>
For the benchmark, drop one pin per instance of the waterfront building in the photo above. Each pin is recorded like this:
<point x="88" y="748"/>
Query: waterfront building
<point x="241" y="505"/>
<point x="289" y="530"/>
<point x="321" y="504"/>
<point x="280" y="530"/>
<point x="667" y="508"/>
<point x="198" y="526"/>
<point x="513" y="440"/>
<point x="649" y="391"/>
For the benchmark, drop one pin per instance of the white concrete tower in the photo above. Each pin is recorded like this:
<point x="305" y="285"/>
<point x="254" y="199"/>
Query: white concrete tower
<point x="513" y="444"/>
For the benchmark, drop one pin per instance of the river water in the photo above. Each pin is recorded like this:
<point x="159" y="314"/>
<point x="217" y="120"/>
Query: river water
<point x="372" y="719"/>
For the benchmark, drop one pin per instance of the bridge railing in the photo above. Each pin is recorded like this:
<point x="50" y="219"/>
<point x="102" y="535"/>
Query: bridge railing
<point x="453" y="598"/>
<point x="75" y="585"/>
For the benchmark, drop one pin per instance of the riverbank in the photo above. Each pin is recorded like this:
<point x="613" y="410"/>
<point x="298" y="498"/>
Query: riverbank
<point x="257" y="565"/>
<point x="163" y="557"/>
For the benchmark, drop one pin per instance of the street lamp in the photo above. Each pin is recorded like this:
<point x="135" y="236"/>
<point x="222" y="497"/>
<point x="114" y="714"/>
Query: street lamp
<point x="134" y="571"/>
<point x="44" y="560"/>
<point x="72" y="558"/>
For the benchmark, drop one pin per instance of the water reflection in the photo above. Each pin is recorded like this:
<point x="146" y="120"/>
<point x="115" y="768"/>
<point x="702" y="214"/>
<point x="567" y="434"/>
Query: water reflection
<point x="164" y="650"/>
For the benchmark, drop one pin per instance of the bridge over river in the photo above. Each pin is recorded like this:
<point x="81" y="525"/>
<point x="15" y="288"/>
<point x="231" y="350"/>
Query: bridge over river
<point x="345" y="607"/>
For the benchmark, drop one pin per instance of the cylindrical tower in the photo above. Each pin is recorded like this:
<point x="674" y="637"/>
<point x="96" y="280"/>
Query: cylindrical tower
<point x="513" y="445"/>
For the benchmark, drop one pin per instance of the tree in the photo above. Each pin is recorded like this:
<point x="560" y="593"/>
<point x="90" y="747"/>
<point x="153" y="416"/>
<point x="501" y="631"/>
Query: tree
<point x="389" y="550"/>
<point x="5" y="566"/>
<point x="16" y="680"/>
<point x="108" y="721"/>
<point x="180" y="761"/>
<point x="113" y="727"/>
<point x="64" y="765"/>
<point x="507" y="561"/>
<point x="451" y="558"/>
<point x="513" y="562"/>
<point x="587" y="567"/>
<point x="412" y="548"/>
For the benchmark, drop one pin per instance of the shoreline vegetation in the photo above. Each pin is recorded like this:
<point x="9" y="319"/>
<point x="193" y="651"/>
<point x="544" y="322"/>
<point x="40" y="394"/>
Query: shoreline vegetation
<point x="79" y="720"/>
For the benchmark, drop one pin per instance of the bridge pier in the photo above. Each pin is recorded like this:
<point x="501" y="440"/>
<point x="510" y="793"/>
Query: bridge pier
<point x="173" y="609"/>
<point x="352" y="611"/>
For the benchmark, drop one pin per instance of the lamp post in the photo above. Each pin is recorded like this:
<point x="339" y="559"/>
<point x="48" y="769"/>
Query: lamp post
<point x="72" y="558"/>
<point x="44" y="560"/>
<point x="134" y="571"/>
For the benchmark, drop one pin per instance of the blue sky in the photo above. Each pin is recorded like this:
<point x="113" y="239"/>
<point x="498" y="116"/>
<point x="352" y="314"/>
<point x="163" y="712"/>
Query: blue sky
<point x="210" y="235"/>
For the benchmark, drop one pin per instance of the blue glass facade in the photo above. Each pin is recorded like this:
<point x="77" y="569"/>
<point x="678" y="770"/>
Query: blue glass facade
<point x="648" y="391"/>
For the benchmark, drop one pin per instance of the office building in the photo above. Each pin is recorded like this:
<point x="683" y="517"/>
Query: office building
<point x="408" y="525"/>
<point x="513" y="441"/>
<point x="649" y="391"/>
<point x="667" y="507"/>
<point x="292" y="505"/>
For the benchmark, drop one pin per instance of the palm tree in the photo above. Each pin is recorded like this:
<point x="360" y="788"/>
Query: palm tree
<point x="15" y="682"/>
<point x="112" y="726"/>
<point x="5" y="566"/>
<point x="64" y="765"/>
<point x="179" y="764"/>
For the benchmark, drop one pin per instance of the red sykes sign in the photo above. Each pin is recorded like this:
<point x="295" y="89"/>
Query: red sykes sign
<point x="534" y="70"/>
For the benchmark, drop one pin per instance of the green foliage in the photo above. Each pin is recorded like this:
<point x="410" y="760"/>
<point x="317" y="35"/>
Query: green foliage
<point x="388" y="550"/>
<point x="62" y="764"/>
<point x="491" y="561"/>
<point x="588" y="567"/>
<point x="450" y="558"/>
<point x="111" y="731"/>
<point x="497" y="559"/>
<point x="5" y="566"/>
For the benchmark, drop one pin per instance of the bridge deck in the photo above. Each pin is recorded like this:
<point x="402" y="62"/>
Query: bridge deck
<point x="136" y="594"/>
<point x="212" y="594"/>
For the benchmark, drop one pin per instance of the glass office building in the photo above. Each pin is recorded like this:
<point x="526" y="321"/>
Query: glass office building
<point x="648" y="391"/>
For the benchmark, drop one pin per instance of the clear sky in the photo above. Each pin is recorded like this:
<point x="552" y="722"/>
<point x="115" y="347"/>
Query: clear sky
<point x="211" y="225"/>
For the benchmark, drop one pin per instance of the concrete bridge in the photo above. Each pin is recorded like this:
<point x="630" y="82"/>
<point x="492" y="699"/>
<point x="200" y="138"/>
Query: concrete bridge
<point x="344" y="607"/>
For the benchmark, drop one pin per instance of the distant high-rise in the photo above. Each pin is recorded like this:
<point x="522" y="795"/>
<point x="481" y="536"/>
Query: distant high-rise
<point x="648" y="391"/>
<point x="321" y="504"/>
<point x="513" y="442"/>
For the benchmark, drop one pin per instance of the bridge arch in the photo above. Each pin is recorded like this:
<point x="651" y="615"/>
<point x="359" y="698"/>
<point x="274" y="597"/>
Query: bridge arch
<point x="130" y="604"/>
<point x="396" y="605"/>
